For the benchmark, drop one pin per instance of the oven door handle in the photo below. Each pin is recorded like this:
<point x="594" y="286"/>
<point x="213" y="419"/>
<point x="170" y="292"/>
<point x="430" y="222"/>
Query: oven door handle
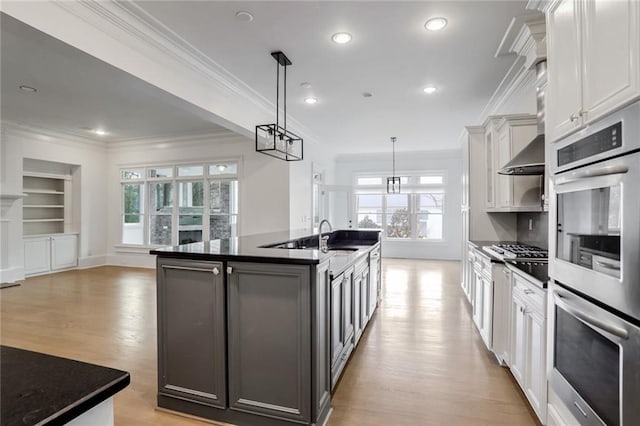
<point x="591" y="172"/>
<point x="562" y="301"/>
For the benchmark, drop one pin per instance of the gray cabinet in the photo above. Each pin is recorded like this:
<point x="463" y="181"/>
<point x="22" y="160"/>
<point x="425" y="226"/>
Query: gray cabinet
<point x="361" y="297"/>
<point x="321" y="342"/>
<point x="342" y="329"/>
<point x="269" y="339"/>
<point x="375" y="282"/>
<point x="191" y="332"/>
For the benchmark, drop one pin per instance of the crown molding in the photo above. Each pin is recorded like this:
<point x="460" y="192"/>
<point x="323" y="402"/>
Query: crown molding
<point x="403" y="155"/>
<point x="183" y="141"/>
<point x="128" y="23"/>
<point x="51" y="136"/>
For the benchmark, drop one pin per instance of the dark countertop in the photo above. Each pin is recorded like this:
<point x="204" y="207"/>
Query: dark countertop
<point x="37" y="388"/>
<point x="538" y="273"/>
<point x="248" y="248"/>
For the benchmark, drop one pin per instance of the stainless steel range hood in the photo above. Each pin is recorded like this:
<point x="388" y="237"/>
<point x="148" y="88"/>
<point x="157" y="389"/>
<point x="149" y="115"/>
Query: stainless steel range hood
<point x="530" y="161"/>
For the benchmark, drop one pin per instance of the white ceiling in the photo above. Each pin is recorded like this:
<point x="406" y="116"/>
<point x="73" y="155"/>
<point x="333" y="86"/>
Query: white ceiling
<point x="78" y="93"/>
<point x="391" y="56"/>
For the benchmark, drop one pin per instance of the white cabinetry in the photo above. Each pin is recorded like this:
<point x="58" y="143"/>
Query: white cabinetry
<point x="594" y="66"/>
<point x="529" y="342"/>
<point x="502" y="313"/>
<point x="505" y="137"/>
<point x="483" y="297"/>
<point x="516" y="193"/>
<point x="48" y="253"/>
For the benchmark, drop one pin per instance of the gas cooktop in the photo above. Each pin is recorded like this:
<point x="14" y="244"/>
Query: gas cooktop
<point x="517" y="252"/>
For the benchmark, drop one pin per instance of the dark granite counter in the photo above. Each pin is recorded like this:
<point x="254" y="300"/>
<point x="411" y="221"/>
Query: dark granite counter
<point x="36" y="388"/>
<point x="251" y="248"/>
<point x="535" y="272"/>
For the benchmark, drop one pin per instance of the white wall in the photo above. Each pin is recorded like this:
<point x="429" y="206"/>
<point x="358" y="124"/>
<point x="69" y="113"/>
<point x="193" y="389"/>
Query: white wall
<point x="450" y="162"/>
<point x="20" y="143"/>
<point x="264" y="184"/>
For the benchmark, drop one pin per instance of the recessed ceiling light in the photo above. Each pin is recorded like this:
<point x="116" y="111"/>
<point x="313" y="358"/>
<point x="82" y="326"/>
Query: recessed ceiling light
<point x="305" y="85"/>
<point x="430" y="89"/>
<point x="310" y="100"/>
<point x="99" y="132"/>
<point x="244" y="16"/>
<point x="28" y="89"/>
<point x="341" y="38"/>
<point x="435" y="24"/>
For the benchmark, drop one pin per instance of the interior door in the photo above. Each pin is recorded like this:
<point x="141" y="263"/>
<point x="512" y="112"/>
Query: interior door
<point x="338" y="205"/>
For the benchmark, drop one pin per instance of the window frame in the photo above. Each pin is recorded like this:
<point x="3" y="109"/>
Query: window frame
<point x="176" y="180"/>
<point x="413" y="189"/>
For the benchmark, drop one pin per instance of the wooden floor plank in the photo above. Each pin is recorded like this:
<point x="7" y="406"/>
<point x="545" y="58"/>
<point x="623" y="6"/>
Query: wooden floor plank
<point x="420" y="361"/>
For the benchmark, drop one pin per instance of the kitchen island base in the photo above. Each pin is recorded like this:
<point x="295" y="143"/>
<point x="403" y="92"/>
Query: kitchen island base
<point x="258" y="340"/>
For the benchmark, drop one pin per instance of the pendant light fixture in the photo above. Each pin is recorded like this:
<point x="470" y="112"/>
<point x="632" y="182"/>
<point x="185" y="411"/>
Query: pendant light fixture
<point x="393" y="182"/>
<point x="273" y="139"/>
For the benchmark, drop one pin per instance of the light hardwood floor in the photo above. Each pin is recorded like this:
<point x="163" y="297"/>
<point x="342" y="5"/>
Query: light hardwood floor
<point x="420" y="362"/>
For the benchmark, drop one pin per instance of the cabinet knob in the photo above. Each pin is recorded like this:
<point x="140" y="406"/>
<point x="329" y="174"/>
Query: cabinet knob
<point x="527" y="291"/>
<point x="582" y="113"/>
<point x="229" y="270"/>
<point x="573" y="117"/>
<point x="216" y="271"/>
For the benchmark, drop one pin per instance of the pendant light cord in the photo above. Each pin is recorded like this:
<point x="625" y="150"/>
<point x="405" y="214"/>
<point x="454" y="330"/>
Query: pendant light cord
<point x="393" y="142"/>
<point x="277" y="97"/>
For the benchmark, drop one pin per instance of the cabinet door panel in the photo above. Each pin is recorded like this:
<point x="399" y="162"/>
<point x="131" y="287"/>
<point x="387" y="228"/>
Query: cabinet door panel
<point x="518" y="340"/>
<point x="323" y="340"/>
<point x="269" y="340"/>
<point x="37" y="255"/>
<point x="357" y="303"/>
<point x="191" y="331"/>
<point x="348" y="308"/>
<point x="487" y="312"/>
<point x="564" y="94"/>
<point x="64" y="251"/>
<point x="536" y="388"/>
<point x="337" y="337"/>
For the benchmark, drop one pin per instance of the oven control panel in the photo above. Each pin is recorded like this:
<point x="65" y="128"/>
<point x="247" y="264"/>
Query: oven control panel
<point x="594" y="144"/>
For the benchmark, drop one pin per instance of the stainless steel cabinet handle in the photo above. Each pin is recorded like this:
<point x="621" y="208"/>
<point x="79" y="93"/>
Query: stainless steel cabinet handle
<point x="527" y="291"/>
<point x="608" y="265"/>
<point x="184" y="268"/>
<point x="580" y="408"/>
<point x="216" y="271"/>
<point x="592" y="172"/>
<point x="562" y="302"/>
<point x="229" y="270"/>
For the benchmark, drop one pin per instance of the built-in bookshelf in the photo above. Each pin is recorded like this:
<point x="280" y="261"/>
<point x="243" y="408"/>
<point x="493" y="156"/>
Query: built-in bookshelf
<point x="46" y="202"/>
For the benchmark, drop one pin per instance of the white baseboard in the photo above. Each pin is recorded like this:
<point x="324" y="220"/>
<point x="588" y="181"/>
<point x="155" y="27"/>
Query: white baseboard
<point x="11" y="275"/>
<point x="92" y="261"/>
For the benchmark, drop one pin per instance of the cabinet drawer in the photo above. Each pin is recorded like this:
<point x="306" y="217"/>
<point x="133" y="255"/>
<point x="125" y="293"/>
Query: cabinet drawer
<point x="533" y="296"/>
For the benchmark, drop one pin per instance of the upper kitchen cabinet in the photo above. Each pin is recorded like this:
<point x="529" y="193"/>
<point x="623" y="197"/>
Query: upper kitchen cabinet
<point x="505" y="137"/>
<point x="594" y="66"/>
<point x="516" y="193"/>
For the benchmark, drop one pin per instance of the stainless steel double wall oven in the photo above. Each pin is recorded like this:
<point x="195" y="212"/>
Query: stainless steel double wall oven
<point x="595" y="270"/>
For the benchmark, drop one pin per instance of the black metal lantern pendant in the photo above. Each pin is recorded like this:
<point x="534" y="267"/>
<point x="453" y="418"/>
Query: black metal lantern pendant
<point x="273" y="139"/>
<point x="393" y="182"/>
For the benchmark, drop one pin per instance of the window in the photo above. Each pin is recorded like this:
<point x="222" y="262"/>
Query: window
<point x="177" y="203"/>
<point x="415" y="214"/>
<point x="132" y="221"/>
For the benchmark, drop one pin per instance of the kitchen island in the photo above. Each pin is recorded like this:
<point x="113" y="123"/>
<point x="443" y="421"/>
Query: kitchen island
<point x="256" y="330"/>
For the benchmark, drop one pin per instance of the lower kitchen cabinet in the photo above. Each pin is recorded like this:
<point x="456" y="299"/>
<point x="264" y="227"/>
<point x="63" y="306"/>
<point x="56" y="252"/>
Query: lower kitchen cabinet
<point x="360" y="298"/>
<point x="191" y="332"/>
<point x="269" y="340"/>
<point x="49" y="253"/>
<point x="483" y="297"/>
<point x="342" y="329"/>
<point x="501" y="313"/>
<point x="529" y="342"/>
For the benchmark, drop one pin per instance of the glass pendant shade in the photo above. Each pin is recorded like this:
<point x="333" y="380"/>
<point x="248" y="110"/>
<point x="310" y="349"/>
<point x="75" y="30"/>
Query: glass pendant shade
<point x="393" y="185"/>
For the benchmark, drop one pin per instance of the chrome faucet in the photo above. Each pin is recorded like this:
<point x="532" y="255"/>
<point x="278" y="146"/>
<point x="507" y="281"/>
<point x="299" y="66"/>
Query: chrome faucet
<point x="323" y="242"/>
